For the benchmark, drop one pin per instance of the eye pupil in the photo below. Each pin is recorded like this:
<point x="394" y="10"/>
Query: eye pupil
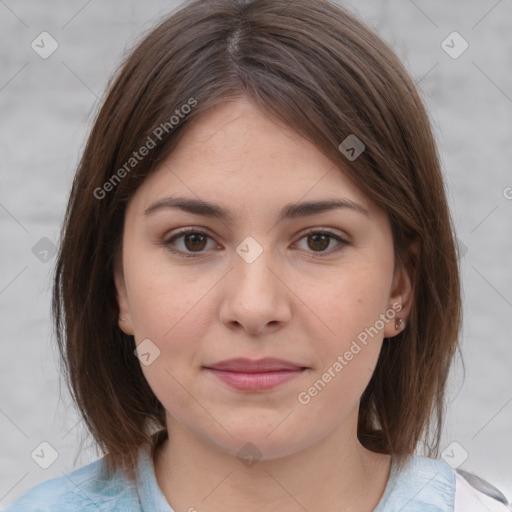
<point x="324" y="243"/>
<point x="194" y="237"/>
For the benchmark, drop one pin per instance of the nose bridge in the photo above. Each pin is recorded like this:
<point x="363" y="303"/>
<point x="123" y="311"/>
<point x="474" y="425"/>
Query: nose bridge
<point x="252" y="272"/>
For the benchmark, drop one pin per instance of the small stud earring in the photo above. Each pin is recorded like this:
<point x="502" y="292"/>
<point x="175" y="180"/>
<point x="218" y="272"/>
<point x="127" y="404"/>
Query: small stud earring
<point x="122" y="319"/>
<point x="399" y="324"/>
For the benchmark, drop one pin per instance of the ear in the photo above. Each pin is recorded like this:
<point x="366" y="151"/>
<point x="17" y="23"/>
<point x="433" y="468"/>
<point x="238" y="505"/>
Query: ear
<point x="402" y="291"/>
<point x="122" y="299"/>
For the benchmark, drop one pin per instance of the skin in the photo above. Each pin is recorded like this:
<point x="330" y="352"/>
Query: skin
<point x="288" y="303"/>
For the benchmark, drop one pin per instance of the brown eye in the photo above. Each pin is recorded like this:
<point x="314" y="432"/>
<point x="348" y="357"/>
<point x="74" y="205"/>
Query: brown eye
<point x="318" y="241"/>
<point x="193" y="243"/>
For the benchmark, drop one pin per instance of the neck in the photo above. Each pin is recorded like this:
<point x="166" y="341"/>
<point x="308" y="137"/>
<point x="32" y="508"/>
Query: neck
<point x="330" y="475"/>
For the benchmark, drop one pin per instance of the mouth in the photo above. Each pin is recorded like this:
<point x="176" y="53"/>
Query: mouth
<point x="255" y="375"/>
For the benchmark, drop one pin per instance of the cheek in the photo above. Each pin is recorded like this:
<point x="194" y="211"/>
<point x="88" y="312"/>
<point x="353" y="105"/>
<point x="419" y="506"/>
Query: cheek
<point x="352" y="302"/>
<point x="347" y="353"/>
<point x="166" y="307"/>
<point x="170" y="313"/>
<point x="348" y="339"/>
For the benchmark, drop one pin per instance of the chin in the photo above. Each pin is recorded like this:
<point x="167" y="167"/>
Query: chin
<point x="251" y="447"/>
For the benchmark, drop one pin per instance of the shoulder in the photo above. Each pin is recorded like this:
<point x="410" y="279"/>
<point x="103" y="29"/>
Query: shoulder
<point x="86" y="489"/>
<point x="460" y="490"/>
<point x="426" y="484"/>
<point x="470" y="499"/>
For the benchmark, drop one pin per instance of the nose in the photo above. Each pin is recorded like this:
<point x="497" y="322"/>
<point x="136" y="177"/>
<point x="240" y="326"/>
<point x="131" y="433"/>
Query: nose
<point x="255" y="296"/>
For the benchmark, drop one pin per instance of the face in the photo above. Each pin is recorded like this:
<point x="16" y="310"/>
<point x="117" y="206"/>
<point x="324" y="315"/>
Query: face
<point x="315" y="288"/>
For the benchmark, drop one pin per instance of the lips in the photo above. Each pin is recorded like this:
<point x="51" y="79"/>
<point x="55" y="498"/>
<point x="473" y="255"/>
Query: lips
<point x="244" y="365"/>
<point x="257" y="375"/>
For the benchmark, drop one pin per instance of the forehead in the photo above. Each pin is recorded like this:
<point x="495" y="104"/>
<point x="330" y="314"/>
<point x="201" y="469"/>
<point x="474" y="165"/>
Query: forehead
<point x="238" y="156"/>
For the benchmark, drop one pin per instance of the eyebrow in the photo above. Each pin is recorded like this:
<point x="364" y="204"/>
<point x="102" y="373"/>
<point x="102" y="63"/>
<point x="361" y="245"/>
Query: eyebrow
<point x="289" y="211"/>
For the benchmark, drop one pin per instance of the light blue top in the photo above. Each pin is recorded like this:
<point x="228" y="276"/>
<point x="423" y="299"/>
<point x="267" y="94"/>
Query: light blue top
<point x="424" y="485"/>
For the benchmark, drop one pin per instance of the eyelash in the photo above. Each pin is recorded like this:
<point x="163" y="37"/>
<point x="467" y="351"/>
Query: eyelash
<point x="194" y="231"/>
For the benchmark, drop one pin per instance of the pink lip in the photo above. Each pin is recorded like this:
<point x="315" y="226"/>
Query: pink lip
<point x="258" y="375"/>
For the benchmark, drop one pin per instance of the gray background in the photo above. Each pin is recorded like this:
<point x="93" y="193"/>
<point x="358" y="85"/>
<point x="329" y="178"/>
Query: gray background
<point x="46" y="110"/>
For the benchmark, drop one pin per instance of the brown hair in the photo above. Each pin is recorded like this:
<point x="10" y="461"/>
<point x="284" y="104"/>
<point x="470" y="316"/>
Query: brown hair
<point x="321" y="71"/>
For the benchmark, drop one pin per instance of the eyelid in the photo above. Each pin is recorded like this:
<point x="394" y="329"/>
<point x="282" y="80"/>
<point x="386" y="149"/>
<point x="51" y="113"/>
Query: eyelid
<point x="328" y="231"/>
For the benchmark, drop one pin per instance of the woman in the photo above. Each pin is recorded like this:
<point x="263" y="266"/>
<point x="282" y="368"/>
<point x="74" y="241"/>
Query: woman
<point x="257" y="294"/>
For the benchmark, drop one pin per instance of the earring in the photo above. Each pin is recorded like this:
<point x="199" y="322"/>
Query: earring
<point x="122" y="319"/>
<point x="399" y="324"/>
